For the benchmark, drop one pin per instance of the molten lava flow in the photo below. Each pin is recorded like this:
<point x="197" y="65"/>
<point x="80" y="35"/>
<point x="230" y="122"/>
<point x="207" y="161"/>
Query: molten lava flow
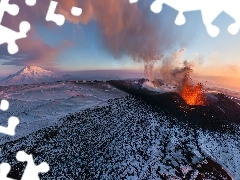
<point x="193" y="94"/>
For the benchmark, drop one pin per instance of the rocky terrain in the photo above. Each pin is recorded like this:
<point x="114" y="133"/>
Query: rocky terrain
<point x="127" y="139"/>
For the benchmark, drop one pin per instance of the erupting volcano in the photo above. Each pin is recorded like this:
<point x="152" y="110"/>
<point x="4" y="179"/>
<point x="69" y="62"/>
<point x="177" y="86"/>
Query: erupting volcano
<point x="193" y="94"/>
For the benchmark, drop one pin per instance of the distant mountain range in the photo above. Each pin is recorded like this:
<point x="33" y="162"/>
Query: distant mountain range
<point x="32" y="75"/>
<point x="35" y="74"/>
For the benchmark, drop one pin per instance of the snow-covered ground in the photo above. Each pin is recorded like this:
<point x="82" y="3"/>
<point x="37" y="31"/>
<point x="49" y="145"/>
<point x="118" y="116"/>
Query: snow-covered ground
<point x="161" y="89"/>
<point x="223" y="148"/>
<point x="42" y="105"/>
<point x="126" y="139"/>
<point x="95" y="131"/>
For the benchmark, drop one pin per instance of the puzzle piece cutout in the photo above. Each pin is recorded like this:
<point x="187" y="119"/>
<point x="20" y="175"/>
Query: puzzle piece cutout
<point x="4" y="105"/>
<point x="210" y="10"/>
<point x="59" y="19"/>
<point x="7" y="35"/>
<point x="12" y="121"/>
<point x="133" y="1"/>
<point x="30" y="2"/>
<point x="52" y="16"/>
<point x="31" y="171"/>
<point x="4" y="170"/>
<point x="76" y="11"/>
<point x="12" y="9"/>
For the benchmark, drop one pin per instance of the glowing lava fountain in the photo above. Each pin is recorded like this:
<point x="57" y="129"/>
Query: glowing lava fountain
<point x="193" y="94"/>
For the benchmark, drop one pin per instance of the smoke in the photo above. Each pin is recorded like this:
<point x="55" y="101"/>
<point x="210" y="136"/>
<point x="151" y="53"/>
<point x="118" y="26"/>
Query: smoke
<point x="172" y="69"/>
<point x="181" y="76"/>
<point x="37" y="53"/>
<point x="124" y="28"/>
<point x="177" y="72"/>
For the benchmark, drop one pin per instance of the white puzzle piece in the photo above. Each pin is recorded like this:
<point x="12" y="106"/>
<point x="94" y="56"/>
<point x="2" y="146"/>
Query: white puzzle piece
<point x="4" y="105"/>
<point x="133" y="1"/>
<point x="7" y="35"/>
<point x="52" y="16"/>
<point x="12" y="124"/>
<point x="210" y="10"/>
<point x="30" y="2"/>
<point x="59" y="19"/>
<point x="76" y="11"/>
<point x="4" y="170"/>
<point x="12" y="121"/>
<point x="31" y="172"/>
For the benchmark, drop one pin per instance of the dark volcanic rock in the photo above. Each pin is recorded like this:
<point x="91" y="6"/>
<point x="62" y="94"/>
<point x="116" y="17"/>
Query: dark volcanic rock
<point x="127" y="139"/>
<point x="220" y="113"/>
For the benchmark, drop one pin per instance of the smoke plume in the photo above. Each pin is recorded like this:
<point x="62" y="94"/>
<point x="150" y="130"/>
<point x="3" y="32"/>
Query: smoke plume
<point x="172" y="69"/>
<point x="124" y="28"/>
<point x="176" y="72"/>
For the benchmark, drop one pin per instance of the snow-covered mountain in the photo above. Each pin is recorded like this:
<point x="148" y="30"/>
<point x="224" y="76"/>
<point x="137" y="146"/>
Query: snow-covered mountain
<point x="30" y="75"/>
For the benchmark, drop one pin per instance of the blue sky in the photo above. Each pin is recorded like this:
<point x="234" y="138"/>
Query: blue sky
<point x="81" y="46"/>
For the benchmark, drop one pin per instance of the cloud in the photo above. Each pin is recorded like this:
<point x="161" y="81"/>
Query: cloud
<point x="124" y="28"/>
<point x="33" y="51"/>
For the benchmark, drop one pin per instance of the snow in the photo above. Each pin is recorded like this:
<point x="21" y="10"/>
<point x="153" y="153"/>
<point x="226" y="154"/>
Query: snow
<point x="161" y="89"/>
<point x="223" y="148"/>
<point x="42" y="105"/>
<point x="94" y="130"/>
<point x="125" y="139"/>
<point x="30" y="75"/>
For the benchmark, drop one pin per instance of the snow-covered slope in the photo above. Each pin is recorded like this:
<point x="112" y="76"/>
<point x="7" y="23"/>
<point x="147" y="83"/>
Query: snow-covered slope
<point x="42" y="105"/>
<point x="126" y="139"/>
<point x="30" y="75"/>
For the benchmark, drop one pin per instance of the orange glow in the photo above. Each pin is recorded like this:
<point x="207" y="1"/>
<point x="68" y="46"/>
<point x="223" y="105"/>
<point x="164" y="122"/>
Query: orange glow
<point x="193" y="94"/>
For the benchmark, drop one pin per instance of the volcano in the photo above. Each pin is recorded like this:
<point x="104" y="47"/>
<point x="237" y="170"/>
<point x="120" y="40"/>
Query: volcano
<point x="218" y="113"/>
<point x="30" y="75"/>
<point x="91" y="130"/>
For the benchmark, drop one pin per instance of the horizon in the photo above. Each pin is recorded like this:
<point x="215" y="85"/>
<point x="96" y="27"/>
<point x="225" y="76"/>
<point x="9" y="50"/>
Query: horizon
<point x="84" y="43"/>
<point x="230" y="83"/>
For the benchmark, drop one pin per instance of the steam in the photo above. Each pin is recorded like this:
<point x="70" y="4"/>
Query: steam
<point x="173" y="70"/>
<point x="176" y="72"/>
<point x="181" y="75"/>
<point x="124" y="28"/>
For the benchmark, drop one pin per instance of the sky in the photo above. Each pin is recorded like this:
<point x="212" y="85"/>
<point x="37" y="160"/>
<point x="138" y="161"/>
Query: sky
<point x="114" y="34"/>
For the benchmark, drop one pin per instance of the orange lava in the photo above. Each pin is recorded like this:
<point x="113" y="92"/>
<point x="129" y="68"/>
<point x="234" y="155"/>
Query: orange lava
<point x="193" y="94"/>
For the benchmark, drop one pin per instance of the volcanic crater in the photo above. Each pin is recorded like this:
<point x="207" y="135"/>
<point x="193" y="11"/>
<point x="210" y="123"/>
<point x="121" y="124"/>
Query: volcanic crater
<point x="218" y="112"/>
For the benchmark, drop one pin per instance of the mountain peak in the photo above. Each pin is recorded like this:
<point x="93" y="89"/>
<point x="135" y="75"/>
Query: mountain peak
<point x="30" y="75"/>
<point x="28" y="69"/>
<point x="32" y="67"/>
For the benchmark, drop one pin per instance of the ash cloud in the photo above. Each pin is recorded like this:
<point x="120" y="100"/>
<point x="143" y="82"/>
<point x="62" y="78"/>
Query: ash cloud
<point x="181" y="75"/>
<point x="125" y="29"/>
<point x="172" y="70"/>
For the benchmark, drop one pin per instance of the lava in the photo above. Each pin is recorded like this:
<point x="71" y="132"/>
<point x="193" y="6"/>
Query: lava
<point x="193" y="94"/>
